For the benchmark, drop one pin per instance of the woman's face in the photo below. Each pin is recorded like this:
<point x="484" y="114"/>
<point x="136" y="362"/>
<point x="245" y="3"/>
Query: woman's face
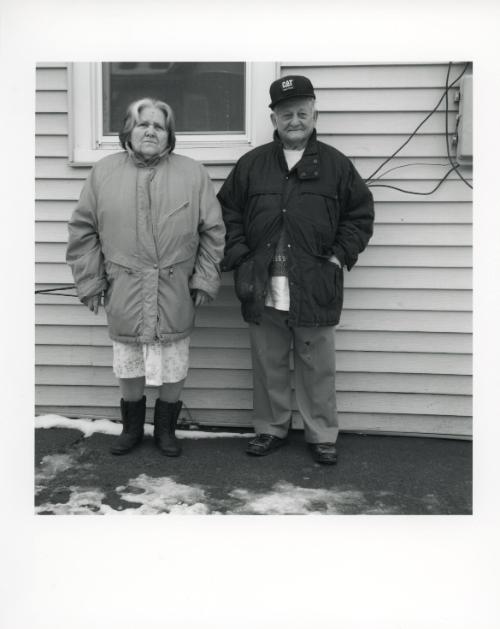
<point x="149" y="136"/>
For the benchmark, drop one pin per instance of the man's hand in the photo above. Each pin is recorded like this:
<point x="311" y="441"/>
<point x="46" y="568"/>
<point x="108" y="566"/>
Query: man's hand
<point x="335" y="261"/>
<point x="200" y="297"/>
<point x="93" y="303"/>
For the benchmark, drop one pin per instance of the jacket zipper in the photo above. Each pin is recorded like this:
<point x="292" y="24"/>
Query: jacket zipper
<point x="287" y="187"/>
<point x="155" y="242"/>
<point x="154" y="225"/>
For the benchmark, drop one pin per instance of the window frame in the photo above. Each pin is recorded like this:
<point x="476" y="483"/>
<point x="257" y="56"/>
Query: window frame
<point x="88" y="144"/>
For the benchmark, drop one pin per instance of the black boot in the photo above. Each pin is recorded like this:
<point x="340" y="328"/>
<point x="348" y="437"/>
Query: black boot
<point x="133" y="415"/>
<point x="165" y="421"/>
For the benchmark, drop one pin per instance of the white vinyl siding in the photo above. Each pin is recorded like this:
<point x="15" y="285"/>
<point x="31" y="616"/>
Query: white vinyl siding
<point x="404" y="343"/>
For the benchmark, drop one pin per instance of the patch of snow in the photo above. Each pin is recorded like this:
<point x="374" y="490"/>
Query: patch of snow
<point x="50" y="466"/>
<point x="164" y="495"/>
<point x="80" y="502"/>
<point x="105" y="426"/>
<point x="287" y="499"/>
<point x="157" y="496"/>
<point x="86" y="426"/>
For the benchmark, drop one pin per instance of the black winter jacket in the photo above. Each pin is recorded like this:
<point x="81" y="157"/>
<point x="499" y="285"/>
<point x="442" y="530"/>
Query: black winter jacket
<point x="325" y="209"/>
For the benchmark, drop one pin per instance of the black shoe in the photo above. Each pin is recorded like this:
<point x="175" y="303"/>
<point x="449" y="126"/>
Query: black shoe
<point x="165" y="424"/>
<point x="133" y="416"/>
<point x="264" y="444"/>
<point x="324" y="453"/>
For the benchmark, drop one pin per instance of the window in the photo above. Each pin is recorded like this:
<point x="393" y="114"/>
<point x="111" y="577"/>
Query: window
<point x="221" y="108"/>
<point x="206" y="97"/>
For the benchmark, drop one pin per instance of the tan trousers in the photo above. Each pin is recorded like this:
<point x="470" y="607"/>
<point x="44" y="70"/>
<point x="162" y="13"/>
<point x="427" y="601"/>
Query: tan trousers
<point x="314" y="360"/>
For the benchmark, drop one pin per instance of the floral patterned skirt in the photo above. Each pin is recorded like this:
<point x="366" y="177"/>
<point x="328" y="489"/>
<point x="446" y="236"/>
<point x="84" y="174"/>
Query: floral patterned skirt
<point x="158" y="362"/>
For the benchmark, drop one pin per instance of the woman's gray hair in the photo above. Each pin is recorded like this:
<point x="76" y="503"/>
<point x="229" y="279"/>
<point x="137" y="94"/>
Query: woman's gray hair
<point x="132" y="118"/>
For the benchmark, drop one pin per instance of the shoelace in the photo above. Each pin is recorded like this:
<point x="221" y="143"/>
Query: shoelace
<point x="325" y="446"/>
<point x="263" y="439"/>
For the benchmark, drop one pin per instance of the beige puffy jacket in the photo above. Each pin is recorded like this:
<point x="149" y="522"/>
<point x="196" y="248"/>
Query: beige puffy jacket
<point x="146" y="236"/>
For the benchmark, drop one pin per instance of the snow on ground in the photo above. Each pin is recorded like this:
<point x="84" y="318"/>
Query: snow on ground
<point x="107" y="427"/>
<point x="80" y="502"/>
<point x="50" y="466"/>
<point x="164" y="495"/>
<point x="286" y="499"/>
<point x="87" y="426"/>
<point x="147" y="495"/>
<point x="160" y="496"/>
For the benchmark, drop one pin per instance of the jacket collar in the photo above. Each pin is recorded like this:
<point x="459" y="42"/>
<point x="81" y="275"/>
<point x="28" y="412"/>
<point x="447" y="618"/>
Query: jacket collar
<point x="141" y="162"/>
<point x="308" y="166"/>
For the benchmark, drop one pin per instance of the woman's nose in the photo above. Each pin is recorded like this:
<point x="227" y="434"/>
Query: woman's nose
<point x="150" y="130"/>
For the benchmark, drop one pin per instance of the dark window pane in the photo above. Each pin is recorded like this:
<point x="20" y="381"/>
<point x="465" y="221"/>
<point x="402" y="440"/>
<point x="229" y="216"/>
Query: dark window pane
<point x="206" y="97"/>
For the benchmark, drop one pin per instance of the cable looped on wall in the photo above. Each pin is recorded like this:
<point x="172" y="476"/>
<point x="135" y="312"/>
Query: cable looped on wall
<point x="454" y="166"/>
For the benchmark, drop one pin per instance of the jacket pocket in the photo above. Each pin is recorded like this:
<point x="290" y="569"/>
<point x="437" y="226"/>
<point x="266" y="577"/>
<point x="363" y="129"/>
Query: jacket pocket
<point x="176" y="228"/>
<point x="123" y="300"/>
<point x="244" y="280"/>
<point x="175" y="305"/>
<point x="178" y="208"/>
<point x="321" y="207"/>
<point x="328" y="285"/>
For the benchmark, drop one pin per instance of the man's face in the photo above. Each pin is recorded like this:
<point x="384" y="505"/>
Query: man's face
<point x="294" y="120"/>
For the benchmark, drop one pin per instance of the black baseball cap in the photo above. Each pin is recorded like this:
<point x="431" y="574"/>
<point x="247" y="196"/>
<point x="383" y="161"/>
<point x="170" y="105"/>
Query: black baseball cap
<point x="291" y="86"/>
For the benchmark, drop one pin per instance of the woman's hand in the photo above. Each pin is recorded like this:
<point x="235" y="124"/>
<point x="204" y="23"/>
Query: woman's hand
<point x="200" y="297"/>
<point x="93" y="303"/>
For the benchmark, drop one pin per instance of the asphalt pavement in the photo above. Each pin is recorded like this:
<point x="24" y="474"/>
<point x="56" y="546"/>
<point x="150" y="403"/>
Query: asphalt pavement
<point x="375" y="474"/>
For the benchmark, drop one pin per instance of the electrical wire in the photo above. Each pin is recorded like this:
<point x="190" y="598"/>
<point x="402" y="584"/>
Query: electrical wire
<point x="371" y="182"/>
<point x="385" y="185"/>
<point x="52" y="291"/>
<point x="406" y="166"/>
<point x="410" y="137"/>
<point x="447" y="132"/>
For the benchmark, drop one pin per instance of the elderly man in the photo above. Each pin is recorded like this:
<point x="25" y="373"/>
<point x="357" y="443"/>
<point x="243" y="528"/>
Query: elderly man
<point x="296" y="212"/>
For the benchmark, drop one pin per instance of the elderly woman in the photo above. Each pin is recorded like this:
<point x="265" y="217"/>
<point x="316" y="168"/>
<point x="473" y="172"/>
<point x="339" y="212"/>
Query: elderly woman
<point x="147" y="236"/>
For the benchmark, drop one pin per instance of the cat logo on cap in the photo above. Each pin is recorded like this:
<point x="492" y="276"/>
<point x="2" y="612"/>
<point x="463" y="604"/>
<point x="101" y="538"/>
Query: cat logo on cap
<point x="287" y="85"/>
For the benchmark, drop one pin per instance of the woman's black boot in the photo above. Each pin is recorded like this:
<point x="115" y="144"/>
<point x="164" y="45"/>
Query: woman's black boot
<point x="133" y="416"/>
<point x="165" y="423"/>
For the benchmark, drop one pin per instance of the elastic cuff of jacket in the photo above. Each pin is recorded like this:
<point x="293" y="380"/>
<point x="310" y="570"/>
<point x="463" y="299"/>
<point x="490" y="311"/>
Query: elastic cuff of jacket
<point x="91" y="290"/>
<point x="339" y="254"/>
<point x="196" y="283"/>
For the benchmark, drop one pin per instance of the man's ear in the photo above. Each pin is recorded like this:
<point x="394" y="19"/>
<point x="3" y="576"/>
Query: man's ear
<point x="273" y="119"/>
<point x="315" y="116"/>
